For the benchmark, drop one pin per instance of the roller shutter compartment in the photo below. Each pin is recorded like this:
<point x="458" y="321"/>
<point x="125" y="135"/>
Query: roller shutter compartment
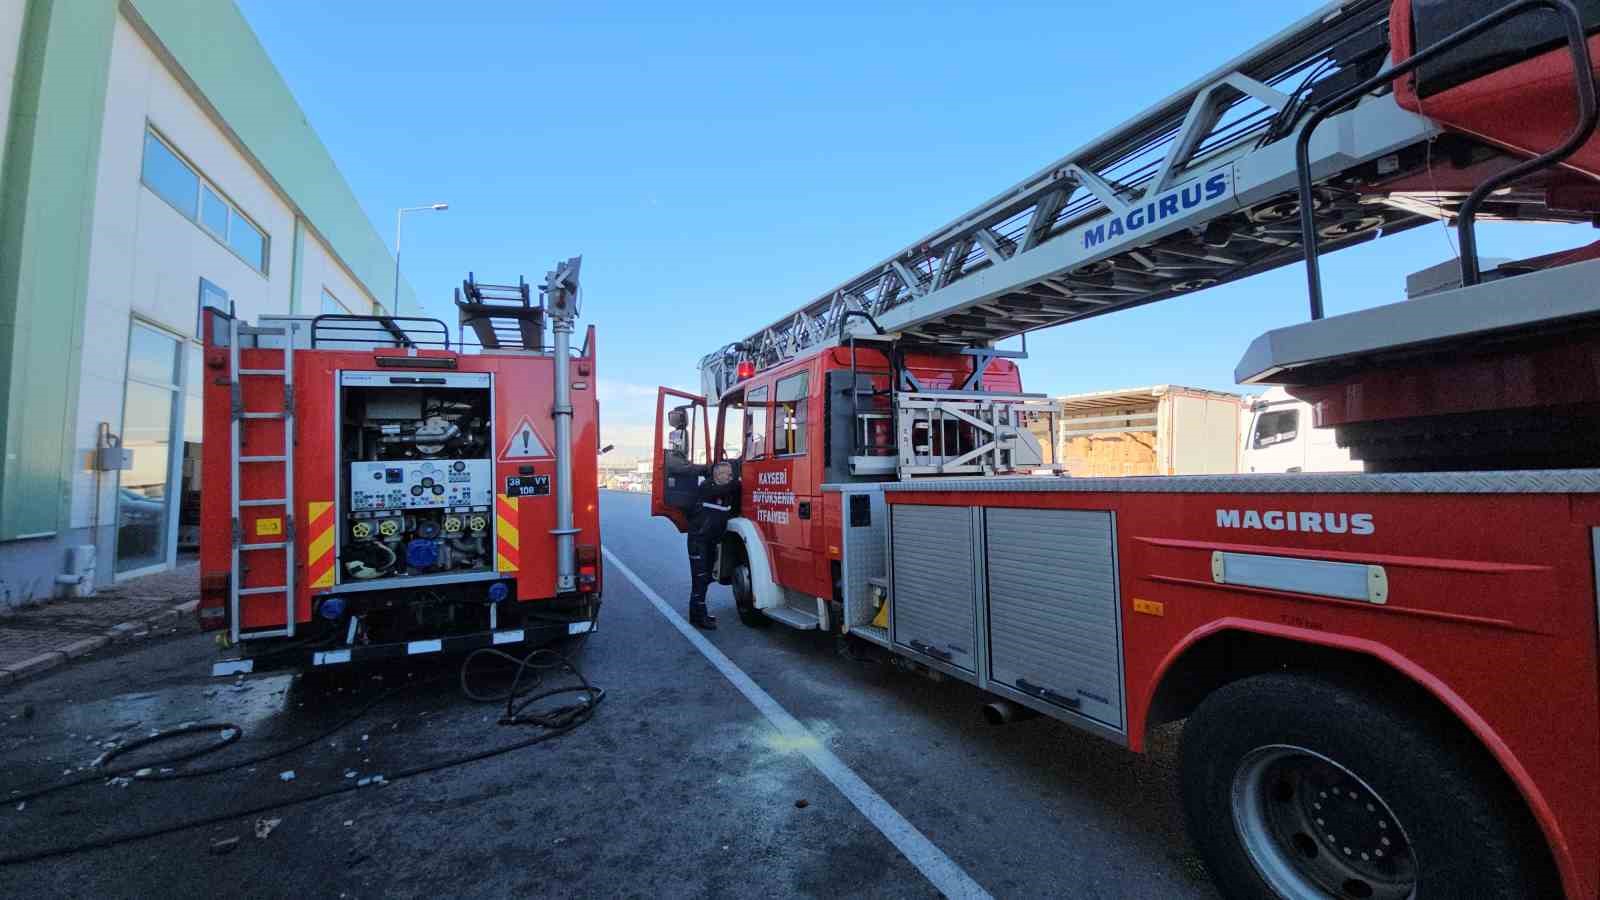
<point x="1054" y="621"/>
<point x="933" y="607"/>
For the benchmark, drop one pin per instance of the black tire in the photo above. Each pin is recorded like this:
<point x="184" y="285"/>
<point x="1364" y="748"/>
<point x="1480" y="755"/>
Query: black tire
<point x="1247" y="782"/>
<point x="744" y="596"/>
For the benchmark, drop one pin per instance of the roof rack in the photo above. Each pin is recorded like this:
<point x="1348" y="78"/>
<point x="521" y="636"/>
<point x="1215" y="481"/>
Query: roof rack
<point x="358" y="332"/>
<point x="501" y="316"/>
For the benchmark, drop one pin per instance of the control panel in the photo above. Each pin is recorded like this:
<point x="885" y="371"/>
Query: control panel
<point x="421" y="484"/>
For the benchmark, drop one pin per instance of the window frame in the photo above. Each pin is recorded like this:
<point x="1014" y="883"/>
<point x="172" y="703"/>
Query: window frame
<point x="753" y="396"/>
<point x="724" y="422"/>
<point x="801" y="403"/>
<point x="330" y="295"/>
<point x="1261" y="418"/>
<point x="176" y="389"/>
<point x="196" y="215"/>
<point x="207" y="286"/>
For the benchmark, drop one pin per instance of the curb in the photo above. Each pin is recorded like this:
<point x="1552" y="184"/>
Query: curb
<point x="121" y="633"/>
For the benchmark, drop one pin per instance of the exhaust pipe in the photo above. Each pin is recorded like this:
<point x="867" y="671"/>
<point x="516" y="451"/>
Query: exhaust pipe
<point x="1004" y="712"/>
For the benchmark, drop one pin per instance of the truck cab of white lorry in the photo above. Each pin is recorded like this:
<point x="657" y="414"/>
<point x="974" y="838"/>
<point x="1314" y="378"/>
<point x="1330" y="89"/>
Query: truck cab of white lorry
<point x="1280" y="435"/>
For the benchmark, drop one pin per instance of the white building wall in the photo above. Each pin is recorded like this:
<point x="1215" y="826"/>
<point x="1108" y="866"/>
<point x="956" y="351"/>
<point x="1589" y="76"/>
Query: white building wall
<point x="321" y="270"/>
<point x="146" y="258"/>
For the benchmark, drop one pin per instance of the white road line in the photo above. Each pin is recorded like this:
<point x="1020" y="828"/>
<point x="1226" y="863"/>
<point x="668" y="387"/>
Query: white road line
<point x="949" y="878"/>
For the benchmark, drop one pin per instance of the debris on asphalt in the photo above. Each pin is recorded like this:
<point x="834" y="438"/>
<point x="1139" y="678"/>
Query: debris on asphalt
<point x="802" y="803"/>
<point x="22" y="806"/>
<point x="144" y="773"/>
<point x="264" y="827"/>
<point x="349" y="822"/>
<point x="120" y="781"/>
<point x="226" y="845"/>
<point x="286" y="775"/>
<point x="27" y="710"/>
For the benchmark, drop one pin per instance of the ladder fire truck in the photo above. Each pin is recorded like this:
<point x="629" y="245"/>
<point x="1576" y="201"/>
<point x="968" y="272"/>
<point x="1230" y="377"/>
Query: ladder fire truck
<point x="1390" y="680"/>
<point x="384" y="492"/>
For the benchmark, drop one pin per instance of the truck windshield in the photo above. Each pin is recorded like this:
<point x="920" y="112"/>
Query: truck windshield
<point x="755" y="425"/>
<point x="730" y="430"/>
<point x="1276" y="427"/>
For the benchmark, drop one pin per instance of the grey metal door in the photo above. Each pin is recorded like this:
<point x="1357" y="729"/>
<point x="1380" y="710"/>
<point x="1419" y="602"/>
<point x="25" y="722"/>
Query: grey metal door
<point x="1054" y="619"/>
<point x="933" y="606"/>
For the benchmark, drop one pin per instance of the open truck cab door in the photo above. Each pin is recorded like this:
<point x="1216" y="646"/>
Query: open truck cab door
<point x="682" y="436"/>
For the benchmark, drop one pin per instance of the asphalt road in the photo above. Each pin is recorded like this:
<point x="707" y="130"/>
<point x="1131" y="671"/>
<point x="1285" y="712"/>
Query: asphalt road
<point x="679" y="786"/>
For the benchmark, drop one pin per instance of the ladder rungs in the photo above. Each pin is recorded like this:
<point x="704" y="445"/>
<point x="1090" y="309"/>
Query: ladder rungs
<point x="278" y="372"/>
<point x="250" y="591"/>
<point x="268" y="501"/>
<point x="262" y="415"/>
<point x="279" y="545"/>
<point x="262" y="459"/>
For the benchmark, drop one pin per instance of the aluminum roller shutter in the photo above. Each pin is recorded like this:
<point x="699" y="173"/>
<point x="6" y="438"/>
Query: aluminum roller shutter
<point x="1054" y="620"/>
<point x="934" y="583"/>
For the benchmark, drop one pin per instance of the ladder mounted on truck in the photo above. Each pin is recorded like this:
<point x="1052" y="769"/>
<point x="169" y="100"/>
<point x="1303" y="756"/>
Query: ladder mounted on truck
<point x="501" y="316"/>
<point x="908" y="429"/>
<point x="1198" y="190"/>
<point x="280" y="457"/>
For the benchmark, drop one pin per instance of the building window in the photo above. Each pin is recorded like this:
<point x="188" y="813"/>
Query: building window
<point x="169" y="176"/>
<point x="175" y="181"/>
<point x="211" y="297"/>
<point x="214" y="213"/>
<point x="332" y="306"/>
<point x="151" y="419"/>
<point x="789" y="416"/>
<point x="247" y="241"/>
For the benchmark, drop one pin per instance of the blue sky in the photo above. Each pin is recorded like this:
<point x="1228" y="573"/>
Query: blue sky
<point x="720" y="164"/>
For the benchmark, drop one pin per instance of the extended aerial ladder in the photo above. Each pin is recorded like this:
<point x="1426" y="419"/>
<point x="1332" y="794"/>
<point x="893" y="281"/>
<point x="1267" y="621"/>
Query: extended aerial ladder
<point x="1197" y="191"/>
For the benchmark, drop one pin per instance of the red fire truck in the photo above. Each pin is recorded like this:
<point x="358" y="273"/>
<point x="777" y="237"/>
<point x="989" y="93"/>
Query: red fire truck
<point x="1391" y="680"/>
<point x="384" y="492"/>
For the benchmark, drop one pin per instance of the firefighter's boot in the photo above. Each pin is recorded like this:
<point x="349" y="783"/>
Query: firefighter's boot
<point x="699" y="618"/>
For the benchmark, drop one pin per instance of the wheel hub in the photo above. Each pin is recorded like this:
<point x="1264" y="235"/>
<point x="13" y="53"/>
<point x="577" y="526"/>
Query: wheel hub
<point x="1314" y="829"/>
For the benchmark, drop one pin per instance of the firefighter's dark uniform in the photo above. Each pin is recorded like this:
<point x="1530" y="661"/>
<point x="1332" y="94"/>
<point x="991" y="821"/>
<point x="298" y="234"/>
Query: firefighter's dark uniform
<point x="718" y="504"/>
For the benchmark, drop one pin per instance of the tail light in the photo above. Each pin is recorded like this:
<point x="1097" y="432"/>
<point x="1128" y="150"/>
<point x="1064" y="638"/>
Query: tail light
<point x="588" y="568"/>
<point x="212" y="613"/>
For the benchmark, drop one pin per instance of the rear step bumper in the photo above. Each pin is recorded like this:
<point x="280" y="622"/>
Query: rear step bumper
<point x="314" y="658"/>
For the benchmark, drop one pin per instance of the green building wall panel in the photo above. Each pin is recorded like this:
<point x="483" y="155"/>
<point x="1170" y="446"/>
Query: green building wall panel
<point x="46" y="209"/>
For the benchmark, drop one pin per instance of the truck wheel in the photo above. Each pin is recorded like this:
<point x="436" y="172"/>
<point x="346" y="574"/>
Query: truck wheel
<point x="1298" y="787"/>
<point x="744" y="596"/>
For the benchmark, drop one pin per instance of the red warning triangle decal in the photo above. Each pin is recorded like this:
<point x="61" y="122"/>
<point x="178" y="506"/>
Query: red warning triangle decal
<point x="524" y="443"/>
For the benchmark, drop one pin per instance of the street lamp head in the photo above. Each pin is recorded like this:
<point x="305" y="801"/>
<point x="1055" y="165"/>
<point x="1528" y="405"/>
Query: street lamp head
<point x="441" y="206"/>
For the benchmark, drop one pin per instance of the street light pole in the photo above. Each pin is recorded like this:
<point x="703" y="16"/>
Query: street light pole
<point x="399" y="217"/>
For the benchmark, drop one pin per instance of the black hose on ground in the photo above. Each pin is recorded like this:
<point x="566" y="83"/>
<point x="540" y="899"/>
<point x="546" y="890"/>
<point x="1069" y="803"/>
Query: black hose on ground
<point x="556" y="722"/>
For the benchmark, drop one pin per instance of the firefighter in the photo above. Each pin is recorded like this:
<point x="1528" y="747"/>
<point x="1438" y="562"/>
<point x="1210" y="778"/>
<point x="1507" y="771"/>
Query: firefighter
<point x="683" y="476"/>
<point x="719" y="502"/>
